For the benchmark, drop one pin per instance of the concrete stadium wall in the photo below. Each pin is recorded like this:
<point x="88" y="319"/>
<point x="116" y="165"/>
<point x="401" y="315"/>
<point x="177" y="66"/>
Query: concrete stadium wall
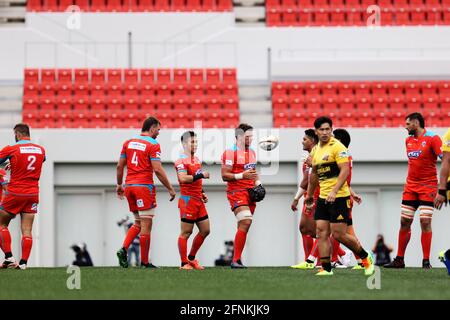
<point x="77" y="201"/>
<point x="211" y="39"/>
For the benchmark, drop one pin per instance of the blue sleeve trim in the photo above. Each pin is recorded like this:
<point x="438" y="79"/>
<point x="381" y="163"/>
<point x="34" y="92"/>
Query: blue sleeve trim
<point x="155" y="159"/>
<point x="182" y="170"/>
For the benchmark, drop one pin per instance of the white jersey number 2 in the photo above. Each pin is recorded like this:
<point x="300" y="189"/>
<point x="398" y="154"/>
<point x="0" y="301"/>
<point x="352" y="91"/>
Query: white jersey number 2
<point x="32" y="160"/>
<point x="134" y="159"/>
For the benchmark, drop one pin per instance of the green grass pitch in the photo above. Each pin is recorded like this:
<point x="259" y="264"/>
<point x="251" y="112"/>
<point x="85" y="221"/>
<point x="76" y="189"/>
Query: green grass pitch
<point x="222" y="283"/>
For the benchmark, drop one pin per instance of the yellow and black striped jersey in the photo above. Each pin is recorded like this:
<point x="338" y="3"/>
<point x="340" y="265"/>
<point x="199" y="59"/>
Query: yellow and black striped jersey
<point x="325" y="159"/>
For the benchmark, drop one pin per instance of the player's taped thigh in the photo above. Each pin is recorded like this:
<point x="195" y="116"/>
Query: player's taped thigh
<point x="407" y="212"/>
<point x="147" y="213"/>
<point x="244" y="215"/>
<point x="426" y="212"/>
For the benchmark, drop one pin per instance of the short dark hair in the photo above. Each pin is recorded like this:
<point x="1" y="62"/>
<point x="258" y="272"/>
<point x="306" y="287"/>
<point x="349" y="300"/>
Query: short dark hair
<point x="241" y="129"/>
<point x="312" y="134"/>
<point x="186" y="135"/>
<point x="150" y="122"/>
<point x="321" y="120"/>
<point x="343" y="136"/>
<point x="22" y="128"/>
<point x="416" y="116"/>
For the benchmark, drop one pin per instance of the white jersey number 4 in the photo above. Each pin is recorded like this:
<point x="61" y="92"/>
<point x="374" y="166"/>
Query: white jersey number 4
<point x="134" y="159"/>
<point x="32" y="160"/>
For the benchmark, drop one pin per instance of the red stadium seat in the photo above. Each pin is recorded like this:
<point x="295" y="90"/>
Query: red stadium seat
<point x="229" y="76"/>
<point x="47" y="90"/>
<point x="147" y="90"/>
<point x="48" y="76"/>
<point x="64" y="4"/>
<point x="81" y="76"/>
<point x="346" y="106"/>
<point x="98" y="105"/>
<point x="178" y="5"/>
<point x="114" y="76"/>
<point x="34" y="5"/>
<point x="96" y="90"/>
<point x="279" y="89"/>
<point x="213" y="76"/>
<point x="147" y="76"/>
<point x="164" y="103"/>
<point x="180" y="90"/>
<point x="196" y="90"/>
<point x="114" y="104"/>
<point x="131" y="89"/>
<point x="296" y="103"/>
<point x="145" y="6"/>
<point x="82" y="4"/>
<point x="328" y="89"/>
<point x="163" y="90"/>
<point x="362" y="88"/>
<point x="30" y="91"/>
<point x="148" y="104"/>
<point x="208" y="5"/>
<point x="229" y="89"/>
<point x="82" y="90"/>
<point x="64" y="76"/>
<point x="196" y="76"/>
<point x="114" y="5"/>
<point x="230" y="104"/>
<point x="180" y="76"/>
<point x="198" y="104"/>
<point x="213" y="103"/>
<point x="321" y="17"/>
<point x="131" y="104"/>
<point x="130" y="76"/>
<point x="162" y="5"/>
<point x="114" y="89"/>
<point x="213" y="89"/>
<point x="280" y="104"/>
<point x="163" y="76"/>
<point x="98" y="5"/>
<point x="180" y="104"/>
<point x="98" y="76"/>
<point x="31" y="76"/>
<point x="81" y="104"/>
<point x="273" y="17"/>
<point x="379" y="89"/>
<point x="194" y="5"/>
<point x="50" y="5"/>
<point x="30" y="104"/>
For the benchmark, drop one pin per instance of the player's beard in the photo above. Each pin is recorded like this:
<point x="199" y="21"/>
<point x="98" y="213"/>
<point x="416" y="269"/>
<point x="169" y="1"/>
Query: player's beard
<point x="412" y="132"/>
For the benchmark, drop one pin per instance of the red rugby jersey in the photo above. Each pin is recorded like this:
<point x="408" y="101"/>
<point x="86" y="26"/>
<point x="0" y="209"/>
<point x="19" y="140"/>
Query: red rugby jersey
<point x="239" y="161"/>
<point x="26" y="159"/>
<point x="422" y="155"/>
<point x="139" y="152"/>
<point x="192" y="166"/>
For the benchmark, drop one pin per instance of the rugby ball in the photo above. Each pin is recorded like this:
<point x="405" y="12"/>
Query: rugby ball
<point x="268" y="143"/>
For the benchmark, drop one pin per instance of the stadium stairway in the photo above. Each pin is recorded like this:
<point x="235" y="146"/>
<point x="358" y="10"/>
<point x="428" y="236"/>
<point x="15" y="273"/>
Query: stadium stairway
<point x="10" y="103"/>
<point x="249" y="13"/>
<point x="255" y="105"/>
<point x="12" y="12"/>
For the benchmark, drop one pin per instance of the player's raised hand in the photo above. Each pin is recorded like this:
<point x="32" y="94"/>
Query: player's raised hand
<point x="294" y="205"/>
<point x="172" y="194"/>
<point x="250" y="174"/>
<point x="205" y="174"/>
<point x="120" y="191"/>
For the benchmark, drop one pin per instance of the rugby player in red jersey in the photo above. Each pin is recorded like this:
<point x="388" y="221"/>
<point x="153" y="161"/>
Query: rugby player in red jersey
<point x="344" y="137"/>
<point x="142" y="156"/>
<point x="192" y="201"/>
<point x="22" y="195"/>
<point x="307" y="223"/>
<point x="422" y="148"/>
<point x="239" y="171"/>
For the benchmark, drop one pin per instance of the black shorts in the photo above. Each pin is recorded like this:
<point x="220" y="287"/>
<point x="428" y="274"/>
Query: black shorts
<point x="335" y="212"/>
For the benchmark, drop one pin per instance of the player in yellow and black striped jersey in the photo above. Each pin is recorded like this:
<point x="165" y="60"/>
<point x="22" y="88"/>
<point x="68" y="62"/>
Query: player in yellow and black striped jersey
<point x="444" y="177"/>
<point x="330" y="169"/>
